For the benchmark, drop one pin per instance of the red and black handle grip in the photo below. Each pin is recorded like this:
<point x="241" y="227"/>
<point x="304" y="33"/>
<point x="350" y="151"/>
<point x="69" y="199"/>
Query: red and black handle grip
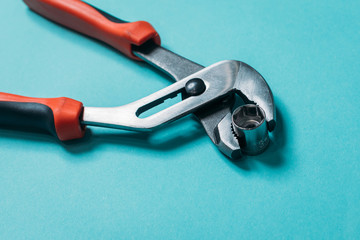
<point x="86" y="19"/>
<point x="61" y="116"/>
<point x="58" y="116"/>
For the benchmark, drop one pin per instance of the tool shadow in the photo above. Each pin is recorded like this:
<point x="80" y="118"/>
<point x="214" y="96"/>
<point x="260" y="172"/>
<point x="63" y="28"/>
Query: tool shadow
<point x="183" y="132"/>
<point x="165" y="139"/>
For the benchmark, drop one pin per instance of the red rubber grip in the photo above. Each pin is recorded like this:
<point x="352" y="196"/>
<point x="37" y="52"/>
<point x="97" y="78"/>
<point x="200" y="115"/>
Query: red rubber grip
<point x="66" y="113"/>
<point x="85" y="19"/>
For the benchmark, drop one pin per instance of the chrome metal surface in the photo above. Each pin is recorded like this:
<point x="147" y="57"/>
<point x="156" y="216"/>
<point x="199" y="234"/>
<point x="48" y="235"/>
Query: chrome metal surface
<point x="226" y="141"/>
<point x="221" y="80"/>
<point x="250" y="128"/>
<point x="167" y="61"/>
<point x="218" y="80"/>
<point x="179" y="67"/>
<point x="252" y="87"/>
<point x="216" y="120"/>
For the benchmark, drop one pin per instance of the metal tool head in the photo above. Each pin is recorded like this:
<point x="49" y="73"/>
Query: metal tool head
<point x="209" y="93"/>
<point x="252" y="88"/>
<point x="237" y="77"/>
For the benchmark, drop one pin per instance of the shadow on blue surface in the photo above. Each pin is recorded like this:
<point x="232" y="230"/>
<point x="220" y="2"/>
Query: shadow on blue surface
<point x="170" y="139"/>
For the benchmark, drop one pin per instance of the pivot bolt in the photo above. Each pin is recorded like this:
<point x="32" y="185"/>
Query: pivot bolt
<point x="195" y="87"/>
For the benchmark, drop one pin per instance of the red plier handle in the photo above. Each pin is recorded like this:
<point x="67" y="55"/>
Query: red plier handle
<point x="96" y="23"/>
<point x="62" y="116"/>
<point x="58" y="116"/>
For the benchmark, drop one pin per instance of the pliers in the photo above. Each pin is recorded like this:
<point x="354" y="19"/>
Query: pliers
<point x="235" y="127"/>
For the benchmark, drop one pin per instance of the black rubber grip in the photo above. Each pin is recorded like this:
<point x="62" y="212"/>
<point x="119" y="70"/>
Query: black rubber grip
<point x="27" y="116"/>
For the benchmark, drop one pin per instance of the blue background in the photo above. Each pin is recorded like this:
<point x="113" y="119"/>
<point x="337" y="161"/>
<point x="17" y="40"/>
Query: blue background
<point x="175" y="184"/>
